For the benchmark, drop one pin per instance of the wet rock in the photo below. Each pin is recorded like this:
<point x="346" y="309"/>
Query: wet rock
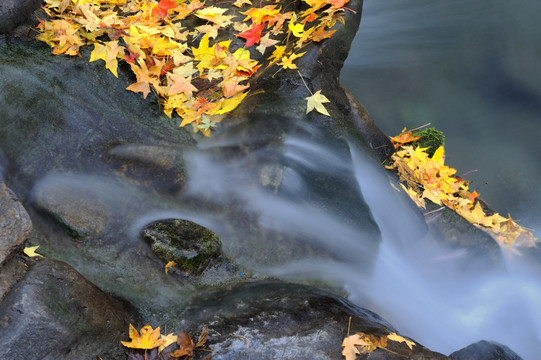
<point x="160" y="168"/>
<point x="485" y="350"/>
<point x="11" y="272"/>
<point x="192" y="246"/>
<point x="55" y="313"/>
<point x="14" y="12"/>
<point x="272" y="320"/>
<point x="80" y="212"/>
<point x="15" y="224"/>
<point x="378" y="141"/>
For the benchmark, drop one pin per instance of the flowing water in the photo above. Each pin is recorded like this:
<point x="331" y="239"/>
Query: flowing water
<point x="471" y="69"/>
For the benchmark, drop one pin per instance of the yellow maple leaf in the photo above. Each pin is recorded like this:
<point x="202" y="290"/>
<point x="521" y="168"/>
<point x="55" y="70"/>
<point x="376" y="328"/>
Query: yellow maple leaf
<point x="30" y="251"/>
<point x="398" y="338"/>
<point x="316" y="102"/>
<point x="108" y="53"/>
<point x="169" y="265"/>
<point x="169" y="340"/>
<point x="287" y="61"/>
<point x="148" y="339"/>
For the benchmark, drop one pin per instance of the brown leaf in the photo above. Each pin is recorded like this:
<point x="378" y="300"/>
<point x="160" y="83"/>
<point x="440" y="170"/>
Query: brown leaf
<point x="185" y="344"/>
<point x="203" y="337"/>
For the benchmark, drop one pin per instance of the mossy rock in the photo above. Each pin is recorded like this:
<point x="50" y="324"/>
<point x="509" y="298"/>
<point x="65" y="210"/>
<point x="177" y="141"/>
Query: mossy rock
<point x="191" y="246"/>
<point x="431" y="139"/>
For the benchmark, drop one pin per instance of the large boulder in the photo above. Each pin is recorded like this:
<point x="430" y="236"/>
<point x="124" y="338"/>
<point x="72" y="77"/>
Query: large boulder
<point x="55" y="313"/>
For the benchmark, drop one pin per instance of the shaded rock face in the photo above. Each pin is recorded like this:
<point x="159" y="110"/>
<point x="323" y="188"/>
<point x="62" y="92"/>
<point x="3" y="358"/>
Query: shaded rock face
<point x="485" y="350"/>
<point x="15" y="224"/>
<point x="14" y="12"/>
<point x="272" y="320"/>
<point x="192" y="246"/>
<point x="55" y="313"/>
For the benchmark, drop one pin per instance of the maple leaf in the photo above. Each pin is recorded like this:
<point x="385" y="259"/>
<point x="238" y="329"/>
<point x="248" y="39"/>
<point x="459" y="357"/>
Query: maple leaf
<point x="162" y="8"/>
<point x="169" y="340"/>
<point x="320" y="34"/>
<point x="287" y="61"/>
<point x="144" y="79"/>
<point x="180" y="84"/>
<point x="185" y="344"/>
<point x="240" y="3"/>
<point x="265" y="42"/>
<point x="30" y="251"/>
<point x="216" y="15"/>
<point x="168" y="266"/>
<point x="316" y="102"/>
<point x="252" y="35"/>
<point x="296" y="29"/>
<point x="350" y="344"/>
<point x="261" y="14"/>
<point x="108" y="53"/>
<point x="148" y="339"/>
<point x="398" y="338"/>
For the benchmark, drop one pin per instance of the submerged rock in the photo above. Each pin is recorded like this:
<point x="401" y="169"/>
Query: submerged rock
<point x="485" y="350"/>
<point x="160" y="168"/>
<point x="55" y="313"/>
<point x="191" y="246"/>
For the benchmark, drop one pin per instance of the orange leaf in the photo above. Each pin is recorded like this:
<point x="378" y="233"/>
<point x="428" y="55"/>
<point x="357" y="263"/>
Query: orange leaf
<point x="252" y="35"/>
<point x="162" y="8"/>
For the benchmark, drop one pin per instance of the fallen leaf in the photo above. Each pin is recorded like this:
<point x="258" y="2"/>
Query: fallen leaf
<point x="398" y="338"/>
<point x="148" y="339"/>
<point x="30" y="251"/>
<point x="316" y="102"/>
<point x="168" y="266"/>
<point x="169" y="340"/>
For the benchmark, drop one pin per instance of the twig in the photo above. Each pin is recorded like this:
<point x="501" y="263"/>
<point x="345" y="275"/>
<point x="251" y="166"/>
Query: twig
<point x="349" y="325"/>
<point x="433" y="211"/>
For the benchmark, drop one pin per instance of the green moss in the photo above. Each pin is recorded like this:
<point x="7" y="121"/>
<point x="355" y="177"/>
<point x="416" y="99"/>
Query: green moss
<point x="431" y="139"/>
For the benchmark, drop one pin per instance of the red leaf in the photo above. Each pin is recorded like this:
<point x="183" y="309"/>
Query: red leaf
<point x="162" y="7"/>
<point x="252" y="35"/>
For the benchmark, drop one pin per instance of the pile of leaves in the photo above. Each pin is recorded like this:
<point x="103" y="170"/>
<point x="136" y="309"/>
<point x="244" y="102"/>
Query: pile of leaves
<point x="149" y="344"/>
<point x="361" y="343"/>
<point x="200" y="83"/>
<point x="427" y="177"/>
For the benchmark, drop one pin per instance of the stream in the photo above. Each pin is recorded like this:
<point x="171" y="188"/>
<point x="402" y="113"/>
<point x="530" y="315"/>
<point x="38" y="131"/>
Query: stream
<point x="471" y="69"/>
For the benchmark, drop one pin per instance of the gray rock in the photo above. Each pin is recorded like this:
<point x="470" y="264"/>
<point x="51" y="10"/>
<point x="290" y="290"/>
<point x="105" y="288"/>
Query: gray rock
<point x="14" y="12"/>
<point x="15" y="224"/>
<point x="485" y="350"/>
<point x="55" y="313"/>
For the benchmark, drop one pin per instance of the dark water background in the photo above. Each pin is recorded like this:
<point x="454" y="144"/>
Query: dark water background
<point x="472" y="70"/>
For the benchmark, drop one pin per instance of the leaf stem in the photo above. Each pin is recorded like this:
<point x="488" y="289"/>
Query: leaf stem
<point x="304" y="82"/>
